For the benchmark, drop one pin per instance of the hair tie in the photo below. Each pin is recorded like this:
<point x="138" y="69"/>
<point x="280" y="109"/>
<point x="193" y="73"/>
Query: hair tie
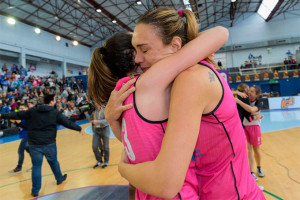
<point x="103" y="50"/>
<point x="180" y="13"/>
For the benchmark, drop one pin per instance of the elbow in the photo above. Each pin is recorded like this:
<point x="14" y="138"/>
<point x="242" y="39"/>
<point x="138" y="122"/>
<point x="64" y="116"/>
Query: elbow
<point x="224" y="33"/>
<point x="169" y="188"/>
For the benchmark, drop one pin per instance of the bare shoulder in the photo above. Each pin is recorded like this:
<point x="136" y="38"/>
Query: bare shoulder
<point x="200" y="75"/>
<point x="200" y="83"/>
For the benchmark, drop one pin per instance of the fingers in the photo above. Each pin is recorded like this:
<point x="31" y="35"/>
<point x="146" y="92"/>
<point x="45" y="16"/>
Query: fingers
<point x="126" y="86"/>
<point x="126" y="94"/>
<point x="126" y="107"/>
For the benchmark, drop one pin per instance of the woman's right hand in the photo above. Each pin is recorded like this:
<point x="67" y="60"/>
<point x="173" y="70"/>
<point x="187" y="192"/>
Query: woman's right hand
<point x="115" y="107"/>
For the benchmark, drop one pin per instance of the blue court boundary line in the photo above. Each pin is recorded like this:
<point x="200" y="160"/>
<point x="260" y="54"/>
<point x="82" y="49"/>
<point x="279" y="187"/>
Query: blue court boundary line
<point x="12" y="138"/>
<point x="281" y="109"/>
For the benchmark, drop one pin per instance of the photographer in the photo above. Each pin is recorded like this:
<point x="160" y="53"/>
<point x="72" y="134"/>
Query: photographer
<point x="101" y="133"/>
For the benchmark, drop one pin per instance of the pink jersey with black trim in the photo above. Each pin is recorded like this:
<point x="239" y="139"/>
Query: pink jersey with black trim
<point x="142" y="140"/>
<point x="221" y="154"/>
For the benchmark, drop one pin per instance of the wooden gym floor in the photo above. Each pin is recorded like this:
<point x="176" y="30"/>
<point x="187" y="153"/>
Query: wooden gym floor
<point x="280" y="151"/>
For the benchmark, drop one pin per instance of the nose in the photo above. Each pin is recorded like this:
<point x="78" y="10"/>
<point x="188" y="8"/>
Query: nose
<point x="139" y="58"/>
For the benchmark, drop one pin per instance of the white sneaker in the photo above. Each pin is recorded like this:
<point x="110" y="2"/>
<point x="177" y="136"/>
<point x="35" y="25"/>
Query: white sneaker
<point x="261" y="187"/>
<point x="260" y="172"/>
<point x="254" y="176"/>
<point x="98" y="164"/>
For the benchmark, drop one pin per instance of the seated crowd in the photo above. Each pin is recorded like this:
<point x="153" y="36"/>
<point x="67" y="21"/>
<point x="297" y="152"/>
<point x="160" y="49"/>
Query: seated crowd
<point x="16" y="87"/>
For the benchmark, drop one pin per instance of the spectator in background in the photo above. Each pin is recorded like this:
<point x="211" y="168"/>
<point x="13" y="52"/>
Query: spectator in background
<point x="4" y="67"/>
<point x="7" y="73"/>
<point x="101" y="133"/>
<point x="250" y="57"/>
<point x="23" y="71"/>
<point x="5" y="83"/>
<point x="10" y="96"/>
<point x="220" y="64"/>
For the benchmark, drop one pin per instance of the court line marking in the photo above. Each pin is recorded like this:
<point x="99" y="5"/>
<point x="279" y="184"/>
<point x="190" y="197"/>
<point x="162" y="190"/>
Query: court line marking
<point x="71" y="170"/>
<point x="272" y="195"/>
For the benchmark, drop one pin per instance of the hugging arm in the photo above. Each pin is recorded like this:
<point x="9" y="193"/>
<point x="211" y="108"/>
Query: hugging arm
<point x="163" y="73"/>
<point x="248" y="108"/>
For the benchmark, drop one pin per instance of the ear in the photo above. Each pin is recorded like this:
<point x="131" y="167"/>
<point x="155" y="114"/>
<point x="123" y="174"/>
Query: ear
<point x="176" y="43"/>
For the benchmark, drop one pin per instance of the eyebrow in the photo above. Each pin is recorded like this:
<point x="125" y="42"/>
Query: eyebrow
<point x="140" y="45"/>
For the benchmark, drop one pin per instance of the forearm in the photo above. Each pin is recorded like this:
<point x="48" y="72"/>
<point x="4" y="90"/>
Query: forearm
<point x="248" y="108"/>
<point x="102" y="122"/>
<point x="12" y="115"/>
<point x="162" y="73"/>
<point x="116" y="127"/>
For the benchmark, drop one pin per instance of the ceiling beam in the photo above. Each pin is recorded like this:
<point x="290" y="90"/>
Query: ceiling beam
<point x="42" y="28"/>
<point x="274" y="10"/>
<point x="108" y="14"/>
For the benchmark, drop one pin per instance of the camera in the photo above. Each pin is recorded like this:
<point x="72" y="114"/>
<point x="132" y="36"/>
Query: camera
<point x="86" y="106"/>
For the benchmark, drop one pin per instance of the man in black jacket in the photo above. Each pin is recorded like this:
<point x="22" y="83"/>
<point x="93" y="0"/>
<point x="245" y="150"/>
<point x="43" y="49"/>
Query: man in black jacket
<point x="42" y="121"/>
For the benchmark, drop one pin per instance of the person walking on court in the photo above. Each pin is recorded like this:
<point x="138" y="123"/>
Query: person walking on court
<point x="42" y="121"/>
<point x="101" y="133"/>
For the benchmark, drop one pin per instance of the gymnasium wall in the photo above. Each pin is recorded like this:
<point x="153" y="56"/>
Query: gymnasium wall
<point x="22" y="38"/>
<point x="251" y="28"/>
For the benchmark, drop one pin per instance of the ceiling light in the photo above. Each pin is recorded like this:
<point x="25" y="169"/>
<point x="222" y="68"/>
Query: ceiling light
<point x="75" y="43"/>
<point x="139" y="2"/>
<point x="266" y="7"/>
<point x="57" y="38"/>
<point x="187" y="5"/>
<point x="37" y="30"/>
<point x="55" y="17"/>
<point x="11" y="21"/>
<point x="98" y="10"/>
<point x="233" y="1"/>
<point x="114" y="21"/>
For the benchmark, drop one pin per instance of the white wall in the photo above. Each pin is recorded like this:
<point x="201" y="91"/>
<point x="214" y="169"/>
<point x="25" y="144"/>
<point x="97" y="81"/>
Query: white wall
<point x="21" y="37"/>
<point x="254" y="29"/>
<point x="75" y="70"/>
<point x="44" y="69"/>
<point x="276" y="55"/>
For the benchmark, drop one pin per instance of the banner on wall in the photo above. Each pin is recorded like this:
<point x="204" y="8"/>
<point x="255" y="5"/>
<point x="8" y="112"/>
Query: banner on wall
<point x="284" y="102"/>
<point x="263" y="76"/>
<point x="70" y="71"/>
<point x="225" y="74"/>
<point x="32" y="67"/>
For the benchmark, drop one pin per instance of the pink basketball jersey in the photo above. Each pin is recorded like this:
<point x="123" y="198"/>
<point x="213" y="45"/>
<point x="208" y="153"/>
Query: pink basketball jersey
<point x="142" y="140"/>
<point x="221" y="154"/>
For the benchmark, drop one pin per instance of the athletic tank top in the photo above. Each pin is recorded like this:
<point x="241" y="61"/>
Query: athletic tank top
<point x="221" y="156"/>
<point x="142" y="140"/>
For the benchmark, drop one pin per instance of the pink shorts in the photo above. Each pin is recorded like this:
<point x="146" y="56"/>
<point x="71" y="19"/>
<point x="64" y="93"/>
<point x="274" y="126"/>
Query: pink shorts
<point x="253" y="134"/>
